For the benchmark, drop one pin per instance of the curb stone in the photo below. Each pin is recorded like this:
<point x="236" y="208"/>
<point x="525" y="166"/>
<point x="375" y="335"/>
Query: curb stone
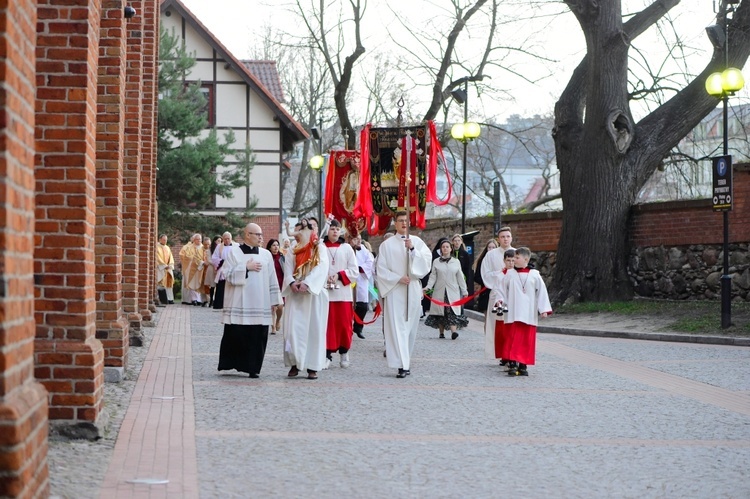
<point x="634" y="335"/>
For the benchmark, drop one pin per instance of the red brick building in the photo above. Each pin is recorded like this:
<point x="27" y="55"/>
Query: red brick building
<point x="78" y="99"/>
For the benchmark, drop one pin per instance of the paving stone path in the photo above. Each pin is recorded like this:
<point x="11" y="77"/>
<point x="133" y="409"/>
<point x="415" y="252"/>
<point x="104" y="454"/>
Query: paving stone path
<point x="597" y="417"/>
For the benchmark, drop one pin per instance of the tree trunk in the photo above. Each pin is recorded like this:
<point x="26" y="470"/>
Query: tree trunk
<point x="593" y="250"/>
<point x="603" y="158"/>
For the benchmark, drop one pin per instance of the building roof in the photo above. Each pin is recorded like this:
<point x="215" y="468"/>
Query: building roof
<point x="266" y="72"/>
<point x="291" y="130"/>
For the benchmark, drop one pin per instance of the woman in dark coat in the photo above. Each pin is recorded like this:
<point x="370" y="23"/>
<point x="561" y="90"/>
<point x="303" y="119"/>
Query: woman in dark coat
<point x="483" y="298"/>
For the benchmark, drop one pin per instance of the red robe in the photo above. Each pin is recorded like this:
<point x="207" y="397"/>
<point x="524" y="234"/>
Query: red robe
<point x="499" y="333"/>
<point x="341" y="313"/>
<point x="526" y="296"/>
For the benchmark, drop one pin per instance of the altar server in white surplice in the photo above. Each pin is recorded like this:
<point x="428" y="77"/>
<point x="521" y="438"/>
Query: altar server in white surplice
<point x="492" y="275"/>
<point x="401" y="316"/>
<point x="250" y="294"/>
<point x="306" y="308"/>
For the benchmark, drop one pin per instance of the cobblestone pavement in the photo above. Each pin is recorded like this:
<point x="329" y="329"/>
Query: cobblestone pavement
<point x="597" y="417"/>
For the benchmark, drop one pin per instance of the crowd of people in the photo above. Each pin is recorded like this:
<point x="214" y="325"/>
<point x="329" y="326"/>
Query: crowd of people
<point x="317" y="290"/>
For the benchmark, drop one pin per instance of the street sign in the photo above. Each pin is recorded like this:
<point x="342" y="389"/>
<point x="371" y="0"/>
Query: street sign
<point x="722" y="183"/>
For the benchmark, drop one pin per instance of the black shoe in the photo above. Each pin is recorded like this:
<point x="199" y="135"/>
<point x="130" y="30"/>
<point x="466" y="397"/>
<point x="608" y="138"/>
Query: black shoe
<point x="170" y="302"/>
<point x="523" y="372"/>
<point x="512" y="369"/>
<point x="407" y="371"/>
<point x="442" y="336"/>
<point x="454" y="335"/>
<point x="503" y="362"/>
<point x="401" y="373"/>
<point x="359" y="335"/>
<point x="254" y="375"/>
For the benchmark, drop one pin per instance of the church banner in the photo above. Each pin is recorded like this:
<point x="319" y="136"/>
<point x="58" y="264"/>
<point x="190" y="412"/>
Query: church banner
<point x="342" y="190"/>
<point x="387" y="155"/>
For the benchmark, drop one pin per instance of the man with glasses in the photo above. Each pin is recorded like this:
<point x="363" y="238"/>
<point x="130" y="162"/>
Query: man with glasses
<point x="251" y="294"/>
<point x="402" y="261"/>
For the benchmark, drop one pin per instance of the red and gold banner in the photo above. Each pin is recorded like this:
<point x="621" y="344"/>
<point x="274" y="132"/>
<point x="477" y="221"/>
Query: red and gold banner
<point x="387" y="155"/>
<point x="342" y="189"/>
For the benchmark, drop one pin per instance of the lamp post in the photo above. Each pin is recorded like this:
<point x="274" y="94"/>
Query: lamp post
<point x="722" y="85"/>
<point x="465" y="132"/>
<point x="316" y="163"/>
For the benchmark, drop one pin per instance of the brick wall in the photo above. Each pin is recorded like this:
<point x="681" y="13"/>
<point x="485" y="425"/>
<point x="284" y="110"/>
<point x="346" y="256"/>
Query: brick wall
<point x="147" y="264"/>
<point x="69" y="359"/>
<point x="269" y="224"/>
<point x="694" y="222"/>
<point x="132" y="231"/>
<point x="111" y="323"/>
<point x="23" y="401"/>
<point x="671" y="224"/>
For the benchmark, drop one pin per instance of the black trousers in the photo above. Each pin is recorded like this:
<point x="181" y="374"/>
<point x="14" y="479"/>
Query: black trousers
<point x="360" y="308"/>
<point x="219" y="295"/>
<point x="243" y="348"/>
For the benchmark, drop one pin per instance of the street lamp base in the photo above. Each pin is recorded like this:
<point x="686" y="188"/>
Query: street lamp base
<point x="726" y="301"/>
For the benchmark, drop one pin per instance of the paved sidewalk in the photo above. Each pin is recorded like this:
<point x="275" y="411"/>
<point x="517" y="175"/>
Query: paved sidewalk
<point x="597" y="417"/>
<point x="155" y="451"/>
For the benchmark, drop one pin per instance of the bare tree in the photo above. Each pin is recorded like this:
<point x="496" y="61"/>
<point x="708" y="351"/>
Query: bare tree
<point x="604" y="156"/>
<point x="329" y="39"/>
<point x="306" y="86"/>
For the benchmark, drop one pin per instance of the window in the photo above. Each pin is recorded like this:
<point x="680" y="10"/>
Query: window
<point x="207" y="89"/>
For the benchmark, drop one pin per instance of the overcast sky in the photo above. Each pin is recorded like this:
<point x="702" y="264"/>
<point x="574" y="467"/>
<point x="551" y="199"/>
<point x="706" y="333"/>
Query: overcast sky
<point x="236" y="22"/>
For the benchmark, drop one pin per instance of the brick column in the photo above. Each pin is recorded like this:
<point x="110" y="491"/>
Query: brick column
<point x="111" y="323"/>
<point x="69" y="359"/>
<point x="23" y="401"/>
<point x="132" y="231"/>
<point x="147" y="291"/>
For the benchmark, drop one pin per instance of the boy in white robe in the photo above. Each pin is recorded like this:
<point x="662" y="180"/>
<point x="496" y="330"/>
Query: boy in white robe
<point x="525" y="294"/>
<point x="401" y="315"/>
<point x="492" y="270"/>
<point x="365" y="264"/>
<point x="342" y="271"/>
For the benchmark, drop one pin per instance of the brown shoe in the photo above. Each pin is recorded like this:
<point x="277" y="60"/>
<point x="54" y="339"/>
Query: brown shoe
<point x="293" y="372"/>
<point x="312" y="374"/>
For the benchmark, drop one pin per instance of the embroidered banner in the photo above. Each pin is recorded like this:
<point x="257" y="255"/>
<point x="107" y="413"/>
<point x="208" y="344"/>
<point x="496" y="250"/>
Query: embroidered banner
<point x="342" y="190"/>
<point x="387" y="153"/>
<point x="389" y="161"/>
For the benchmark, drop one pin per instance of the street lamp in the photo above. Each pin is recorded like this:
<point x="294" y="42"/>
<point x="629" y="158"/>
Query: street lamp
<point x="465" y="132"/>
<point x="316" y="163"/>
<point x="721" y="85"/>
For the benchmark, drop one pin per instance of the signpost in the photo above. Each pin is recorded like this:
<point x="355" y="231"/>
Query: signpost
<point x="722" y="183"/>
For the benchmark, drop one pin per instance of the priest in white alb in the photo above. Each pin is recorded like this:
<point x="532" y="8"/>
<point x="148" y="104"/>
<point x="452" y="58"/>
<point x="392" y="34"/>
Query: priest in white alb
<point x="401" y="308"/>
<point x="250" y="294"/>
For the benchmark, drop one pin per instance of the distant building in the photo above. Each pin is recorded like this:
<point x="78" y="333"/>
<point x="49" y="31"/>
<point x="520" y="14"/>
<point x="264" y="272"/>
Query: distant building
<point x="245" y="97"/>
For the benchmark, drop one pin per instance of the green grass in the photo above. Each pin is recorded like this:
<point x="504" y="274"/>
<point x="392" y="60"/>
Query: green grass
<point x="697" y="317"/>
